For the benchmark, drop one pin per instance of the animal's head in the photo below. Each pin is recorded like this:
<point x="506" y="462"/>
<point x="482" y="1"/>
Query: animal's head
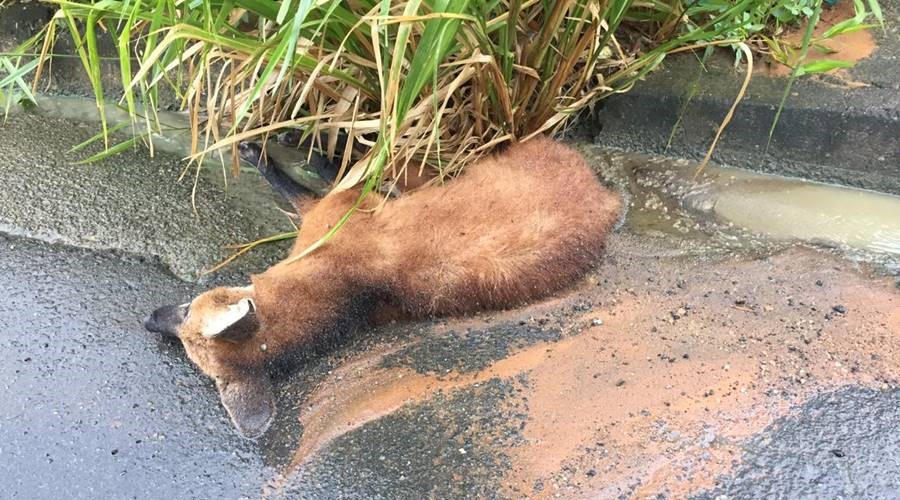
<point x="220" y="331"/>
<point x="252" y="153"/>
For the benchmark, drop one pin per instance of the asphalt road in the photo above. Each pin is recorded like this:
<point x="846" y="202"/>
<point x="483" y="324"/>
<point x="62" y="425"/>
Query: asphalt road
<point x="94" y="407"/>
<point x="704" y="376"/>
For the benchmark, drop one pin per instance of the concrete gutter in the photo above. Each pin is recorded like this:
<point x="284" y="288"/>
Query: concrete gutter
<point x="828" y="131"/>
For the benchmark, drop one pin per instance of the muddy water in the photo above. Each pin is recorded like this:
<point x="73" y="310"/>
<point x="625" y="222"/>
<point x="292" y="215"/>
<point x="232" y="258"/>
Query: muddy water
<point x="727" y="211"/>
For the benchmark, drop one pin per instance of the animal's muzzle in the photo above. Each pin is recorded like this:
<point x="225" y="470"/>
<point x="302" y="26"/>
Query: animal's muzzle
<point x="166" y="320"/>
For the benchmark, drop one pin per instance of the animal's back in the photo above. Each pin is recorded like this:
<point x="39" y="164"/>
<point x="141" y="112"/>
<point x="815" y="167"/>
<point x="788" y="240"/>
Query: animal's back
<point x="514" y="227"/>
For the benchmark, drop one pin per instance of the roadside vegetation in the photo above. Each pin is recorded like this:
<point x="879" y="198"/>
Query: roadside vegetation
<point x="414" y="82"/>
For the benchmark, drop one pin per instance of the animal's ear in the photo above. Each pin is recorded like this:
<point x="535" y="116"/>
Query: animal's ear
<point x="250" y="404"/>
<point x="235" y="322"/>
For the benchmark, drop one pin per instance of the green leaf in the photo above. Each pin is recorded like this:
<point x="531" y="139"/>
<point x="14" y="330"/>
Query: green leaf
<point x="848" y="25"/>
<point x="431" y="50"/>
<point x="876" y="11"/>
<point x="118" y="148"/>
<point x="849" y="28"/>
<point x="822" y="49"/>
<point x="283" y="11"/>
<point x="96" y="137"/>
<point x="14" y="75"/>
<point x="804" y="49"/>
<point x="822" y="66"/>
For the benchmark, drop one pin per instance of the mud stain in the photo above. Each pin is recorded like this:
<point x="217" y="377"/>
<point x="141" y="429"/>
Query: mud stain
<point x="660" y="398"/>
<point x="654" y="388"/>
<point x="853" y="47"/>
<point x="361" y="391"/>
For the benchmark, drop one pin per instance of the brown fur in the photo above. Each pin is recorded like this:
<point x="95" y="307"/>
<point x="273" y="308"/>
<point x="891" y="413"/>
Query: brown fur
<point x="511" y="229"/>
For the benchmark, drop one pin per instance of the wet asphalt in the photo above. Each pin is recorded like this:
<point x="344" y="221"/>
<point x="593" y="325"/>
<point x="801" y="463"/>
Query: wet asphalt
<point x="93" y="406"/>
<point x="839" y="446"/>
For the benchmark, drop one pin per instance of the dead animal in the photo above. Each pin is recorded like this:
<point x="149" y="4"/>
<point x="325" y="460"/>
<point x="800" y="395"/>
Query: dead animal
<point x="512" y="228"/>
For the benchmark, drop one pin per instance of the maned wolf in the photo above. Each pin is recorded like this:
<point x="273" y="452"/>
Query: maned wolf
<point x="512" y="228"/>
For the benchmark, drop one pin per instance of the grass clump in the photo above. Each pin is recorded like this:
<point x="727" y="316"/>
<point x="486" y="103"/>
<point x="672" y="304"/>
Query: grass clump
<point x="417" y="83"/>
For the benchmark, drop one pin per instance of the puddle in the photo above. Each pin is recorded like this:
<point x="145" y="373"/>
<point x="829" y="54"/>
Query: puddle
<point x="730" y="211"/>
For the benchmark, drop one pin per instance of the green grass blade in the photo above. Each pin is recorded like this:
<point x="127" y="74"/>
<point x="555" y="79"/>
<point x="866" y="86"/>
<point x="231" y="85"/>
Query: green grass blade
<point x="94" y="138"/>
<point x="111" y="151"/>
<point x="807" y="36"/>
<point x="876" y="11"/>
<point x="823" y="66"/>
<point x="15" y="76"/>
<point x="94" y="74"/>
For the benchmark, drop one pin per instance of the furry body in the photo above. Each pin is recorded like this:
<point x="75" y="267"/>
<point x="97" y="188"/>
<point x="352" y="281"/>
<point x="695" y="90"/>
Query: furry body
<point x="512" y="228"/>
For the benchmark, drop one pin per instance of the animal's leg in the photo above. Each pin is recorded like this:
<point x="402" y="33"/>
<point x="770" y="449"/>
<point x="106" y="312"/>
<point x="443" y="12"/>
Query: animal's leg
<point x="294" y="193"/>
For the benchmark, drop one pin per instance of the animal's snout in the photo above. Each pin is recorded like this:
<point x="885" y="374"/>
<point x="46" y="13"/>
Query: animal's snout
<point x="252" y="153"/>
<point x="166" y="320"/>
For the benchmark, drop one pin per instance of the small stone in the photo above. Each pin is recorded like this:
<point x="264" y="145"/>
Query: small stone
<point x="839" y="309"/>
<point x="263" y="347"/>
<point x="462" y="451"/>
<point x="591" y="473"/>
<point x="819" y="283"/>
<point x="596" y="322"/>
<point x="838" y="453"/>
<point x="620" y="383"/>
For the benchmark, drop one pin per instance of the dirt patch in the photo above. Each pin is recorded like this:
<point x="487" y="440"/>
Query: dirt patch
<point x="660" y="397"/>
<point x="663" y="369"/>
<point x="854" y="46"/>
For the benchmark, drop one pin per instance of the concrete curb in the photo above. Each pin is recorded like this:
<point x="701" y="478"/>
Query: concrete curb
<point x="827" y="132"/>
